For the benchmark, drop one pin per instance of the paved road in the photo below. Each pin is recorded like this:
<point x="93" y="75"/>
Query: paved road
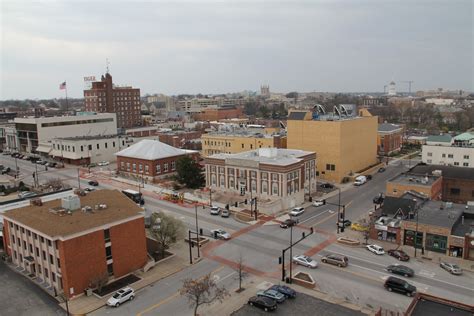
<point x="261" y="245"/>
<point x="19" y="296"/>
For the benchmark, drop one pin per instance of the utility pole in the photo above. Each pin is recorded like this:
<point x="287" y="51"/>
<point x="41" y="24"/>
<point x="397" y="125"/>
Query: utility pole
<point x="210" y="196"/>
<point x="78" y="179"/>
<point x="291" y="253"/>
<point x="190" y="250"/>
<point x="36" y="175"/>
<point x="282" y="258"/>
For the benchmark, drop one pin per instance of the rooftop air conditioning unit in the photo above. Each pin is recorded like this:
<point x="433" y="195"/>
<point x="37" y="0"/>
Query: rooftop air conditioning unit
<point x="71" y="203"/>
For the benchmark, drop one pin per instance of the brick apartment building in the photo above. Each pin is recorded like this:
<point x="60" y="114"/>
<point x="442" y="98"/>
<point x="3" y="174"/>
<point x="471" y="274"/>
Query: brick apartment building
<point x="151" y="159"/>
<point x="68" y="243"/>
<point x="218" y="114"/>
<point x="104" y="97"/>
<point x="389" y="138"/>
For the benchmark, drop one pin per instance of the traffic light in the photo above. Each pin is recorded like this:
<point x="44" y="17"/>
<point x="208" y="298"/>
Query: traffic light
<point x="311" y="229"/>
<point x="303" y="235"/>
<point x="324" y="202"/>
<point x="200" y="231"/>
<point x="279" y="260"/>
<point x="227" y="207"/>
<point x="236" y="204"/>
<point x="245" y="201"/>
<point x="34" y="175"/>
<point x="342" y="228"/>
<point x="341" y="217"/>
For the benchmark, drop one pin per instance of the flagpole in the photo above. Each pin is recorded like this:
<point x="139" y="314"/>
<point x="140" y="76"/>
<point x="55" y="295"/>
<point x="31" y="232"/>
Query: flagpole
<point x="67" y="105"/>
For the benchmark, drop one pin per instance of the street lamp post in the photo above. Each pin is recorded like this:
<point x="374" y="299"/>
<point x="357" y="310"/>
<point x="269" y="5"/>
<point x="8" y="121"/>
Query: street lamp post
<point x="416" y="231"/>
<point x="78" y="179"/>
<point x="339" y="210"/>
<point x="291" y="253"/>
<point x="197" y="229"/>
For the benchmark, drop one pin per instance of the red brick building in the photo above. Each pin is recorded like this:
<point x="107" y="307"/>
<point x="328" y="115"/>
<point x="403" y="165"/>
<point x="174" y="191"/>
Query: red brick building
<point x="219" y="114"/>
<point x="151" y="159"/>
<point x="68" y="243"/>
<point x="389" y="138"/>
<point x="104" y="97"/>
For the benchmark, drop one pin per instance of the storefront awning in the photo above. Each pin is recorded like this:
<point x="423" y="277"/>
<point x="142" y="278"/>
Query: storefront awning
<point x="43" y="149"/>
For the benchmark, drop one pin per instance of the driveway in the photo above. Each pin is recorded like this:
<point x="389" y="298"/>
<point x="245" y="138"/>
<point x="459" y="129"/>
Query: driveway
<point x="20" y="296"/>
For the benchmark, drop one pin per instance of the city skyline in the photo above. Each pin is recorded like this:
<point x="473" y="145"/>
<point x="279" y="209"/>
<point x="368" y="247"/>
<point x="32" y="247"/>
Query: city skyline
<point x="219" y="47"/>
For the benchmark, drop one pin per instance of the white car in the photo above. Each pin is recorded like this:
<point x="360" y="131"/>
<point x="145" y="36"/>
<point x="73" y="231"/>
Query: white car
<point x="103" y="163"/>
<point x="121" y="296"/>
<point x="220" y="234"/>
<point x="215" y="210"/>
<point x="305" y="261"/>
<point x="375" y="249"/>
<point x="297" y="211"/>
<point x="318" y="203"/>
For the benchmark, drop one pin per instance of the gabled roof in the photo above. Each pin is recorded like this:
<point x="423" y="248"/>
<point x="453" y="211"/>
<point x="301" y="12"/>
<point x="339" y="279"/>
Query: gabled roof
<point x="388" y="127"/>
<point x="149" y="149"/>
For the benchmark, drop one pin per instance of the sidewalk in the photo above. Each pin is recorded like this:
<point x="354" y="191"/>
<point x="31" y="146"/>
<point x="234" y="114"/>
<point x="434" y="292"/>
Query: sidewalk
<point x="83" y="305"/>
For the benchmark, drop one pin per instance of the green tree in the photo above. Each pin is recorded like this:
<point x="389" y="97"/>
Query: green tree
<point x="166" y="230"/>
<point x="189" y="173"/>
<point x="264" y="111"/>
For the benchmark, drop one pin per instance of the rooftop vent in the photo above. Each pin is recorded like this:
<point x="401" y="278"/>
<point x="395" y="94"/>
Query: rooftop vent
<point x="71" y="203"/>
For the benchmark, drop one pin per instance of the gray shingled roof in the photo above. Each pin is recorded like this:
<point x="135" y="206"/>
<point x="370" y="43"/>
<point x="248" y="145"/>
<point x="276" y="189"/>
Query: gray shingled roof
<point x="388" y="127"/>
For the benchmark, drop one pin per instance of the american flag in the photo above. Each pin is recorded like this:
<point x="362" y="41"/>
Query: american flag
<point x="62" y="86"/>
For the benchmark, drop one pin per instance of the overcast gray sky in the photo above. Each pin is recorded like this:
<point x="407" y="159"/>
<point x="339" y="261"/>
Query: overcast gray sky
<point x="178" y="47"/>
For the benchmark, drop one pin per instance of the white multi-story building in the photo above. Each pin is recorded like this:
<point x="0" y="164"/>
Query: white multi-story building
<point x="459" y="152"/>
<point x="88" y="149"/>
<point x="36" y="134"/>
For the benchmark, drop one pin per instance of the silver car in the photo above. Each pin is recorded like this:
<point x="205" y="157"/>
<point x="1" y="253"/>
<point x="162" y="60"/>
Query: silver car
<point x="220" y="234"/>
<point x="451" y="268"/>
<point x="305" y="261"/>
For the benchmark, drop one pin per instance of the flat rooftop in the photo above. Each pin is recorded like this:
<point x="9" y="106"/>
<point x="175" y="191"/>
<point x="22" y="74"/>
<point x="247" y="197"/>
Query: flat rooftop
<point x="414" y="179"/>
<point x="246" y="133"/>
<point x="427" y="305"/>
<point x="92" y="137"/>
<point x="441" y="214"/>
<point x="41" y="218"/>
<point x="270" y="156"/>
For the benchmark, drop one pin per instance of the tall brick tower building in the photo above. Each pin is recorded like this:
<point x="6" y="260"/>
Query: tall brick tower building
<point x="104" y="97"/>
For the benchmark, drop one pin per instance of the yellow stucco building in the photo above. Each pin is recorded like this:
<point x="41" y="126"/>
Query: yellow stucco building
<point x="237" y="142"/>
<point x="344" y="143"/>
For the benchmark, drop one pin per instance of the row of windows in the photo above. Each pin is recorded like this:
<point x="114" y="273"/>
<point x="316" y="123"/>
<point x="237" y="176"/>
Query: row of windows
<point x="19" y="229"/>
<point x="126" y="167"/>
<point x="89" y="147"/>
<point x="430" y="154"/>
<point x="41" y="270"/>
<point x="91" y="121"/>
<point x="455" y="163"/>
<point x="457" y="191"/>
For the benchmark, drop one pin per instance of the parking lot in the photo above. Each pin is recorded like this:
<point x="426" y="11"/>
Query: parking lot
<point x="20" y="296"/>
<point x="302" y="305"/>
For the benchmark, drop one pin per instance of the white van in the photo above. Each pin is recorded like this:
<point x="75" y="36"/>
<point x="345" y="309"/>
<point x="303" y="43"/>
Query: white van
<point x="360" y="180"/>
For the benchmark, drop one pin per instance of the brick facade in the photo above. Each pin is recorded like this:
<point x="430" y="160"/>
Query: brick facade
<point x="218" y="114"/>
<point x="458" y="190"/>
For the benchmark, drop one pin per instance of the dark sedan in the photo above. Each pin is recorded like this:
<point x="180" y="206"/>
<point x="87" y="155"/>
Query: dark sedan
<point x="93" y="182"/>
<point x="265" y="303"/>
<point x="288" y="223"/>
<point x="327" y="186"/>
<point x="285" y="290"/>
<point x="399" y="254"/>
<point x="401" y="270"/>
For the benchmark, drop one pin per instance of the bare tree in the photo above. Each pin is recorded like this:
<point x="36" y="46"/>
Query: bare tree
<point x="202" y="291"/>
<point x="99" y="281"/>
<point x="241" y="273"/>
<point x="166" y="230"/>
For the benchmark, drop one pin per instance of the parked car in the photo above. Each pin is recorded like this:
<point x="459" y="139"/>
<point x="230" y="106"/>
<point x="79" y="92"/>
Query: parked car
<point x="359" y="227"/>
<point x="305" y="261"/>
<point x="297" y="211"/>
<point x="103" y="163"/>
<point x="285" y="290"/>
<point x="360" y="180"/>
<point x="369" y="177"/>
<point x="5" y="170"/>
<point x="451" y="268"/>
<point x="263" y="302"/>
<point x="89" y="189"/>
<point x="288" y="223"/>
<point x="215" y="210"/>
<point x="93" y="182"/>
<point x="378" y="199"/>
<point x="345" y="223"/>
<point x="92" y="165"/>
<point x="326" y="186"/>
<point x="378" y="250"/>
<point x="220" y="234"/>
<point x="401" y="270"/>
<point x="382" y="169"/>
<point x="121" y="296"/>
<point x="225" y="213"/>
<point x="399" y="254"/>
<point x="275" y="295"/>
<point x="400" y="286"/>
<point x="26" y="194"/>
<point x="319" y="203"/>
<point x="41" y="162"/>
<point x="337" y="260"/>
